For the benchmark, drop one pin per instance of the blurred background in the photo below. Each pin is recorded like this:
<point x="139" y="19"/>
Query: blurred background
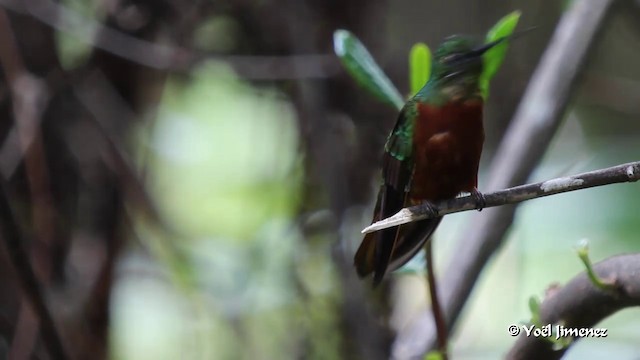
<point x="190" y="178"/>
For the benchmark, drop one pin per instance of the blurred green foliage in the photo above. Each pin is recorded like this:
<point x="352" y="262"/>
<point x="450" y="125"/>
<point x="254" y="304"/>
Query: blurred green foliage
<point x="225" y="169"/>
<point x="217" y="34"/>
<point x="232" y="149"/>
<point x="360" y="64"/>
<point x="419" y="67"/>
<point x="494" y="57"/>
<point x="74" y="47"/>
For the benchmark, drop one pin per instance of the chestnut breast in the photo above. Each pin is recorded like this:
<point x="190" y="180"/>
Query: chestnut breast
<point x="447" y="144"/>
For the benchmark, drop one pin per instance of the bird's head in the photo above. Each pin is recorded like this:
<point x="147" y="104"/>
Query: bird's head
<point x="460" y="59"/>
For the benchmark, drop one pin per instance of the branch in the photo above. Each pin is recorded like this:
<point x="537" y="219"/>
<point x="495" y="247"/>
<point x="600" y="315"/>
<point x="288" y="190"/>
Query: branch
<point x="436" y="308"/>
<point x="525" y="142"/>
<point x="629" y="172"/>
<point x="29" y="97"/>
<point x="580" y="304"/>
<point x="13" y="241"/>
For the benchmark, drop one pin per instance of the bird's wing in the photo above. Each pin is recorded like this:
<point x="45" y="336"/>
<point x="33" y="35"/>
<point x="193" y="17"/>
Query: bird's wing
<point x="376" y="249"/>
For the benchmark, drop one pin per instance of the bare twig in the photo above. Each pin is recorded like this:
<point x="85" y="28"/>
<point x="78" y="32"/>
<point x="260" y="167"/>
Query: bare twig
<point x="436" y="308"/>
<point x="29" y="98"/>
<point x="14" y="241"/>
<point x="526" y="140"/>
<point x="25" y="332"/>
<point x="580" y="304"/>
<point x="629" y="172"/>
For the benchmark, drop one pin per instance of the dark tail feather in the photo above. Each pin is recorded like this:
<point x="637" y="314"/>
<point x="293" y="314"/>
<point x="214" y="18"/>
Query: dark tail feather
<point x="364" y="259"/>
<point x="387" y="250"/>
<point x="411" y="239"/>
<point x="374" y="254"/>
<point x="376" y="250"/>
<point x="385" y="245"/>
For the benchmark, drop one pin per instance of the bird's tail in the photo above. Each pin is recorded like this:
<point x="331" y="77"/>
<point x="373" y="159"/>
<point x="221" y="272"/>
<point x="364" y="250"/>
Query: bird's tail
<point x="386" y="250"/>
<point x="412" y="237"/>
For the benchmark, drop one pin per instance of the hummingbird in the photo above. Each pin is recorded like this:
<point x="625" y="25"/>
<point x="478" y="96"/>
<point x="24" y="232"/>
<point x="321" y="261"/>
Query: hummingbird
<point x="432" y="154"/>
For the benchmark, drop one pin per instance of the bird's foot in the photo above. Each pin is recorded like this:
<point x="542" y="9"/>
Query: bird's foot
<point x="430" y="209"/>
<point x="479" y="199"/>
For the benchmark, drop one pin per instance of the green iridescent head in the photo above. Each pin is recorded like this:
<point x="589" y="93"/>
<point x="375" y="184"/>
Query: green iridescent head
<point x="459" y="58"/>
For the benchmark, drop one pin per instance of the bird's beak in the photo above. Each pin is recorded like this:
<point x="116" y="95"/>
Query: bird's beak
<point x="484" y="48"/>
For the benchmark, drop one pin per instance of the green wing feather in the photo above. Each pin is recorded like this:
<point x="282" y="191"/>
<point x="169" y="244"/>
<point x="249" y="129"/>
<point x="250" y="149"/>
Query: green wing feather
<point x="398" y="165"/>
<point x="397" y="171"/>
<point x="400" y="141"/>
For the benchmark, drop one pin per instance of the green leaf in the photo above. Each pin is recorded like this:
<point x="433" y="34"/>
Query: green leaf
<point x="434" y="355"/>
<point x="419" y="66"/>
<point x="534" y="307"/>
<point x="360" y="64"/>
<point x="494" y="57"/>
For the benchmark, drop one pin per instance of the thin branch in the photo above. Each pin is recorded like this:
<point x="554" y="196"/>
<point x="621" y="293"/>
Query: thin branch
<point x="29" y="98"/>
<point x="629" y="172"/>
<point x="436" y="308"/>
<point x="525" y="142"/>
<point x="14" y="241"/>
<point x="580" y="304"/>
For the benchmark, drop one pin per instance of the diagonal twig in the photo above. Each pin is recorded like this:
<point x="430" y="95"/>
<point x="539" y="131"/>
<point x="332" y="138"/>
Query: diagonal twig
<point x="29" y="98"/>
<point x="14" y="241"/>
<point x="629" y="172"/>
